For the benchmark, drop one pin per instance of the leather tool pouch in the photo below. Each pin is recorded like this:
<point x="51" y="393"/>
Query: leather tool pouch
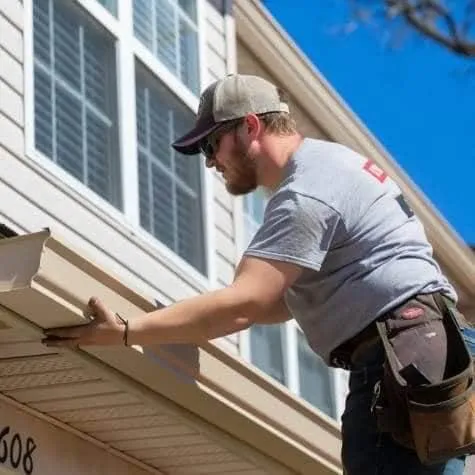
<point x="426" y="398"/>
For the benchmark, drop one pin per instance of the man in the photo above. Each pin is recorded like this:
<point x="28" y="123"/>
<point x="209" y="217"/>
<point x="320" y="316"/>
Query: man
<point x="339" y="247"/>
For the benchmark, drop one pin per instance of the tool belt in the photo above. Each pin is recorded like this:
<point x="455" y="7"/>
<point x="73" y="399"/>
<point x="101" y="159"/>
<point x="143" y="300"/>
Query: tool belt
<point x="425" y="399"/>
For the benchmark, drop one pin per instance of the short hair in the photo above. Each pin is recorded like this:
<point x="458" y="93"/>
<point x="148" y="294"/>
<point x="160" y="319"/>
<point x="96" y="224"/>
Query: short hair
<point x="279" y="123"/>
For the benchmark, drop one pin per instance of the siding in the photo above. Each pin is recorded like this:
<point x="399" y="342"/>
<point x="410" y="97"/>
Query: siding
<point x="218" y="65"/>
<point x="31" y="199"/>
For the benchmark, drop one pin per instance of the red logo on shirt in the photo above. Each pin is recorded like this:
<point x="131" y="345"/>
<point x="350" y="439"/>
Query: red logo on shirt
<point x="375" y="170"/>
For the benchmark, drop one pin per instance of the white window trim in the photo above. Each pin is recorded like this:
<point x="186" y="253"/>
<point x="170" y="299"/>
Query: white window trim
<point x="127" y="221"/>
<point x="207" y="176"/>
<point x="291" y="353"/>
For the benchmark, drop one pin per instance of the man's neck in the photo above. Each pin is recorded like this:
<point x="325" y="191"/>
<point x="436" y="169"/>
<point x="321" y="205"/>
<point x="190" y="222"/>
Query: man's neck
<point x="283" y="148"/>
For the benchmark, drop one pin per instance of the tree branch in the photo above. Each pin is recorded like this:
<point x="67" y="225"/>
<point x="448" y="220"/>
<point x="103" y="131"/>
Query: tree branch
<point x="424" y="16"/>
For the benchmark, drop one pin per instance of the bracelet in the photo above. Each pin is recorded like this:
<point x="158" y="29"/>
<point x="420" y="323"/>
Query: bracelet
<point x="126" y="329"/>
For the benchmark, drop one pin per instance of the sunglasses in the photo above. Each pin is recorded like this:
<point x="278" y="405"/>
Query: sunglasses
<point x="210" y="144"/>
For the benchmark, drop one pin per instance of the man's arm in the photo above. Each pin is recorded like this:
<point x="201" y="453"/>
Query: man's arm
<point x="255" y="295"/>
<point x="278" y="314"/>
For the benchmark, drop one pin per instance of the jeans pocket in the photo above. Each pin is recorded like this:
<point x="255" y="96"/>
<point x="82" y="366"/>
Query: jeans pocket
<point x="469" y="337"/>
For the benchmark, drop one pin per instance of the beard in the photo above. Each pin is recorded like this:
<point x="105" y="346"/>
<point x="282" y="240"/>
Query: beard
<point x="243" y="176"/>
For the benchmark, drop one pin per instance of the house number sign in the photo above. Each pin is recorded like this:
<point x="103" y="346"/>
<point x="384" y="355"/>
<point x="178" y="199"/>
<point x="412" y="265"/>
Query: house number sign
<point x="17" y="451"/>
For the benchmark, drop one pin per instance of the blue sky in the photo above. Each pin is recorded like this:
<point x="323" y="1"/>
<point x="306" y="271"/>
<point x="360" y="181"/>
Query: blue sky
<point x="416" y="98"/>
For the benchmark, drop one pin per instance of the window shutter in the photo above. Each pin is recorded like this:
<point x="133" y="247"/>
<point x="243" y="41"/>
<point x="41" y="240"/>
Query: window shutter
<point x="189" y="72"/>
<point x="166" y="33"/>
<point x="171" y="200"/>
<point x="143" y="22"/>
<point x="169" y="30"/>
<point x="75" y="100"/>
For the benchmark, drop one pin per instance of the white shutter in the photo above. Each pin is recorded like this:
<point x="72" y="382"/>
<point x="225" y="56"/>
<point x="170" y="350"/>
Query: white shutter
<point x="189" y="61"/>
<point x="166" y="33"/>
<point x="66" y="46"/>
<point x="162" y="205"/>
<point x="143" y="22"/>
<point x="169" y="30"/>
<point x="41" y="33"/>
<point x="170" y="191"/>
<point x="75" y="99"/>
<point x="43" y="113"/>
<point x="69" y="133"/>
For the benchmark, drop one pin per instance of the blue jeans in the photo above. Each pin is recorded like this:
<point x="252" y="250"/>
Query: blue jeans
<point x="366" y="451"/>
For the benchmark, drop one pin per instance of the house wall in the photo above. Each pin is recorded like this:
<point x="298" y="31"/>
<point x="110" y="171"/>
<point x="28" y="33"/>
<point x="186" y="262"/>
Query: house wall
<point x="31" y="445"/>
<point x="33" y="197"/>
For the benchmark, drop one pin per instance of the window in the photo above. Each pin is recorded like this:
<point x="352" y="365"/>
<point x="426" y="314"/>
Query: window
<point x="254" y="205"/>
<point x="111" y="5"/>
<point x="169" y="183"/>
<point x="86" y="67"/>
<point x="282" y="350"/>
<point x="75" y="97"/>
<point x="315" y="380"/>
<point x="168" y="28"/>
<point x="268" y="343"/>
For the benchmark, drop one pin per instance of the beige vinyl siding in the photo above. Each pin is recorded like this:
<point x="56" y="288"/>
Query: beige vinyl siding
<point x="215" y="43"/>
<point x="32" y="199"/>
<point x="11" y="76"/>
<point x="218" y="65"/>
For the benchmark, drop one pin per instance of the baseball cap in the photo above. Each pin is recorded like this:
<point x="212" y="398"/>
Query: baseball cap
<point x="230" y="98"/>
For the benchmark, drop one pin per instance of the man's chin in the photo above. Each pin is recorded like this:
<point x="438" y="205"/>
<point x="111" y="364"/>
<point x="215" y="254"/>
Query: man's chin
<point x="237" y="190"/>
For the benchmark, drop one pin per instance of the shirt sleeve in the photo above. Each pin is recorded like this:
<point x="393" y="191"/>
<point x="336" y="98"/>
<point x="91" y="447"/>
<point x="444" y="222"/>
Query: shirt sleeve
<point x="296" y="228"/>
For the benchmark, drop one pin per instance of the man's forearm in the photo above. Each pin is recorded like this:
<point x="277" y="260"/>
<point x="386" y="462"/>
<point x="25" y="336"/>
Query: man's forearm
<point x="194" y="320"/>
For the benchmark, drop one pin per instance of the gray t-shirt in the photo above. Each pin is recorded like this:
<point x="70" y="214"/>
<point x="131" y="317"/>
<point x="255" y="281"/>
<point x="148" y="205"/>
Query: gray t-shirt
<point x="363" y="250"/>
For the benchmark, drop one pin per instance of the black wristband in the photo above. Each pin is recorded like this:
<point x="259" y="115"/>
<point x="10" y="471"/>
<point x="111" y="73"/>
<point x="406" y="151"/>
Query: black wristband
<point x="126" y="329"/>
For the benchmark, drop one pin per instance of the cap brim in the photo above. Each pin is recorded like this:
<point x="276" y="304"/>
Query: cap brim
<point x="189" y="143"/>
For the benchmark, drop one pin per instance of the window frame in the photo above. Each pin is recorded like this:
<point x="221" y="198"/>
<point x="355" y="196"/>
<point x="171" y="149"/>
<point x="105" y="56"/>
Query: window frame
<point x="128" y="51"/>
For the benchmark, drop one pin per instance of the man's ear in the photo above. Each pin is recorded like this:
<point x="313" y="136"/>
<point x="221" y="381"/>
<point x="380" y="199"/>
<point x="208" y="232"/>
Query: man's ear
<point x="253" y="126"/>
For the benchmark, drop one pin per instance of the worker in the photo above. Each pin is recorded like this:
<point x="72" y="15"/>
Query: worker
<point x="339" y="248"/>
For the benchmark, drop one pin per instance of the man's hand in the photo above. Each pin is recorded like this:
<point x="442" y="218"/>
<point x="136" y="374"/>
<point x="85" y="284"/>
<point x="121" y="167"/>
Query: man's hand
<point x="105" y="329"/>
